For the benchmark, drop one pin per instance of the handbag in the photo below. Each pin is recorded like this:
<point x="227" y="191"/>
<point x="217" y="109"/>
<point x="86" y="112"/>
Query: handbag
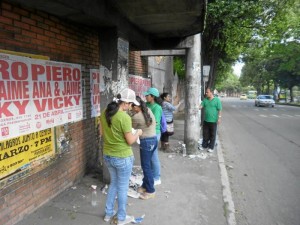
<point x="163" y="124"/>
<point x="170" y="128"/>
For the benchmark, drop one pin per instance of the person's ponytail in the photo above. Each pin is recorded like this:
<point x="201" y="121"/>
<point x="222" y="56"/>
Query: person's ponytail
<point x="112" y="109"/>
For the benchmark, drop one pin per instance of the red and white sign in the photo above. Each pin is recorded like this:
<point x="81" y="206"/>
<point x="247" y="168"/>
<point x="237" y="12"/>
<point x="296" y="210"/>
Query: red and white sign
<point x="139" y="84"/>
<point x="37" y="94"/>
<point x="95" y="92"/>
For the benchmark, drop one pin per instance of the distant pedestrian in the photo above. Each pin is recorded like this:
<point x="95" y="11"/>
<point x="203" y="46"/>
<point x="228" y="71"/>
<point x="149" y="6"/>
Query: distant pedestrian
<point x="116" y="130"/>
<point x="144" y="119"/>
<point x="212" y="117"/>
<point x="154" y="103"/>
<point x="168" y="110"/>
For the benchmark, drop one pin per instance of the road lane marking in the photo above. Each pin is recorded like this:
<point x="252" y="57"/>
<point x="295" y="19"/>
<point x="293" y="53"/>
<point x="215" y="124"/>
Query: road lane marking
<point x="286" y="115"/>
<point x="263" y="115"/>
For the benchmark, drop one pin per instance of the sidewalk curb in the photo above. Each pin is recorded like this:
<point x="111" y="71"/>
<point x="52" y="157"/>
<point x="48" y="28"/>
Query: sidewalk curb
<point x="229" y="209"/>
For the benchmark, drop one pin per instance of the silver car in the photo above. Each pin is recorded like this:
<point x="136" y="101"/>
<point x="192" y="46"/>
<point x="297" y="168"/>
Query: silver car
<point x="264" y="100"/>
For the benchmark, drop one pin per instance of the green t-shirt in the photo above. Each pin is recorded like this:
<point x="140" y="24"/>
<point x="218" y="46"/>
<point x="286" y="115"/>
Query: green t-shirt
<point x="157" y="112"/>
<point x="114" y="137"/>
<point x="211" y="109"/>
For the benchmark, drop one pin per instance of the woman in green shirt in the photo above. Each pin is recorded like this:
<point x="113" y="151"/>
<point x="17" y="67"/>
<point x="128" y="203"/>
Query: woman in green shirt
<point x="116" y="130"/>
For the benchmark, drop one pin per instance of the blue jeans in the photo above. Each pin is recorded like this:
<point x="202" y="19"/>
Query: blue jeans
<point x="147" y="148"/>
<point x="155" y="163"/>
<point x="120" y="171"/>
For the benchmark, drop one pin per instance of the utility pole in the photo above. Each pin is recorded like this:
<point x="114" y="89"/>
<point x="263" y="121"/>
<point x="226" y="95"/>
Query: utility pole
<point x="192" y="96"/>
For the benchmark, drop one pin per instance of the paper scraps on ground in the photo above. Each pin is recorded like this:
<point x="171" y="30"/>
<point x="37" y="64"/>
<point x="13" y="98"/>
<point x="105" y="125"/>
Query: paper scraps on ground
<point x="139" y="219"/>
<point x="132" y="193"/>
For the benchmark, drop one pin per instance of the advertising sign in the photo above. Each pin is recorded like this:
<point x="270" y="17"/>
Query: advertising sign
<point x="95" y="92"/>
<point x="22" y="152"/>
<point x="37" y="94"/>
<point x="139" y="84"/>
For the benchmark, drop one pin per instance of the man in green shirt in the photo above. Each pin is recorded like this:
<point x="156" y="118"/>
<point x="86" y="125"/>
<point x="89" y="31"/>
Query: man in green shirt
<point x="212" y="116"/>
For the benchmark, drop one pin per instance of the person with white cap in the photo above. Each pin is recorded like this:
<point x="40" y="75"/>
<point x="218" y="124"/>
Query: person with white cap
<point x="116" y="129"/>
<point x="144" y="119"/>
<point x="154" y="103"/>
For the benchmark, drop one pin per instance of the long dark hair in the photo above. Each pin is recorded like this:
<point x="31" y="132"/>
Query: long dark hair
<point x="164" y="95"/>
<point x="112" y="109"/>
<point x="158" y="100"/>
<point x="145" y="111"/>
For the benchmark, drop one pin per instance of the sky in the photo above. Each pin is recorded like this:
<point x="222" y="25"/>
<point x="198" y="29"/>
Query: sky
<point x="237" y="68"/>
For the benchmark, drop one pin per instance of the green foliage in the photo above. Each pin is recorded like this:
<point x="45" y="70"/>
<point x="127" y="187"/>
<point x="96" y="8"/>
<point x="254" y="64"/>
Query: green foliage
<point x="230" y="85"/>
<point x="267" y="68"/>
<point x="251" y="29"/>
<point x="179" y="67"/>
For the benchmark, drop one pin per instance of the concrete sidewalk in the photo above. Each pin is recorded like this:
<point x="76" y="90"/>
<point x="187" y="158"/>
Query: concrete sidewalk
<point x="190" y="193"/>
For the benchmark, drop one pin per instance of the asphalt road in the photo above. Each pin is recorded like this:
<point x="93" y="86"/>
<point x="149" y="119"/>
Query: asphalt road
<point x="262" y="155"/>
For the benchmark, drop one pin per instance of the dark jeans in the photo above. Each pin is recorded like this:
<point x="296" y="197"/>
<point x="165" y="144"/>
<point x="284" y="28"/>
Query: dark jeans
<point x="147" y="148"/>
<point x="164" y="137"/>
<point x="209" y="135"/>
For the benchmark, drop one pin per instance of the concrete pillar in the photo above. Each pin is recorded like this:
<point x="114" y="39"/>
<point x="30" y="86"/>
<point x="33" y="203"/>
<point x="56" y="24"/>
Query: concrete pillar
<point x="192" y="97"/>
<point x="114" y="55"/>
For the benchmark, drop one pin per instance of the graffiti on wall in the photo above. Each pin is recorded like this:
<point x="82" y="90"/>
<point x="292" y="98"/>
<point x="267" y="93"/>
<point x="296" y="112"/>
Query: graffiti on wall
<point x="108" y="87"/>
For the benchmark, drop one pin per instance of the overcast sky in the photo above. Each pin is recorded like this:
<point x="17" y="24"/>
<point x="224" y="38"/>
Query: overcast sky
<point x="237" y="68"/>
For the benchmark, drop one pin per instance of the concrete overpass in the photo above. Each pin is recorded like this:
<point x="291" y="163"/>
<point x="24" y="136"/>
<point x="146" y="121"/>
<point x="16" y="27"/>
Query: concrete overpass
<point x="147" y="25"/>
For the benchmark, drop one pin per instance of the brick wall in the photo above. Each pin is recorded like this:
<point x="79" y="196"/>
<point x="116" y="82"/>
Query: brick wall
<point x="35" y="32"/>
<point x="137" y="64"/>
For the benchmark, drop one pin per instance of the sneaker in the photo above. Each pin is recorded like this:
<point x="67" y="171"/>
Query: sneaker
<point x="127" y="220"/>
<point x="141" y="190"/>
<point x="146" y="195"/>
<point x="202" y="148"/>
<point x="210" y="150"/>
<point x="157" y="182"/>
<point x="107" y="218"/>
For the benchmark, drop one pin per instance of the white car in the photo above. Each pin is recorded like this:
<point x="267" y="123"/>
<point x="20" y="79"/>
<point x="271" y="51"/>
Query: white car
<point x="264" y="100"/>
<point x="243" y="97"/>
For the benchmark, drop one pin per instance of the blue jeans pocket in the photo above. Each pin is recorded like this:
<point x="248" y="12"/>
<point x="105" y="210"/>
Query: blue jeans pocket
<point x="148" y="144"/>
<point x="119" y="163"/>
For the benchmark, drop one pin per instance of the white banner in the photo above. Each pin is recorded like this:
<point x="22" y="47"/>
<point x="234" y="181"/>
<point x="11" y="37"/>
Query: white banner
<point x="37" y="94"/>
<point x="95" y="81"/>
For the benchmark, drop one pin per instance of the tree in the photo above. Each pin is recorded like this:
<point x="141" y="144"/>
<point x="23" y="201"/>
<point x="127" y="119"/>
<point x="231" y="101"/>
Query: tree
<point x="179" y="66"/>
<point x="234" y="26"/>
<point x="231" y="85"/>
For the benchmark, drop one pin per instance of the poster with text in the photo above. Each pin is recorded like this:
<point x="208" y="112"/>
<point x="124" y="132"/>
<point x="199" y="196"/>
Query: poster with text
<point x="139" y="85"/>
<point x="37" y="94"/>
<point x="20" y="153"/>
<point x="95" y="82"/>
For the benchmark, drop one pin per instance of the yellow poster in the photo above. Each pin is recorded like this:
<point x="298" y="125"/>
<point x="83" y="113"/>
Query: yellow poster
<point x="20" y="152"/>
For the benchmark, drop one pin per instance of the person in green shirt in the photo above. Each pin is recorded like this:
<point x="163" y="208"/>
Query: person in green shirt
<point x="154" y="103"/>
<point x="212" y="117"/>
<point x="116" y="130"/>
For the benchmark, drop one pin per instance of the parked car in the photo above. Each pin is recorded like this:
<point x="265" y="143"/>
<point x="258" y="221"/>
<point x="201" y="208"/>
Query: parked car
<point x="264" y="100"/>
<point x="243" y="97"/>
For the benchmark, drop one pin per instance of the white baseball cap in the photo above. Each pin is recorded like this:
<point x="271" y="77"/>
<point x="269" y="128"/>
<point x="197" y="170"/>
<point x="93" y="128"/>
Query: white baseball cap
<point x="128" y="95"/>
